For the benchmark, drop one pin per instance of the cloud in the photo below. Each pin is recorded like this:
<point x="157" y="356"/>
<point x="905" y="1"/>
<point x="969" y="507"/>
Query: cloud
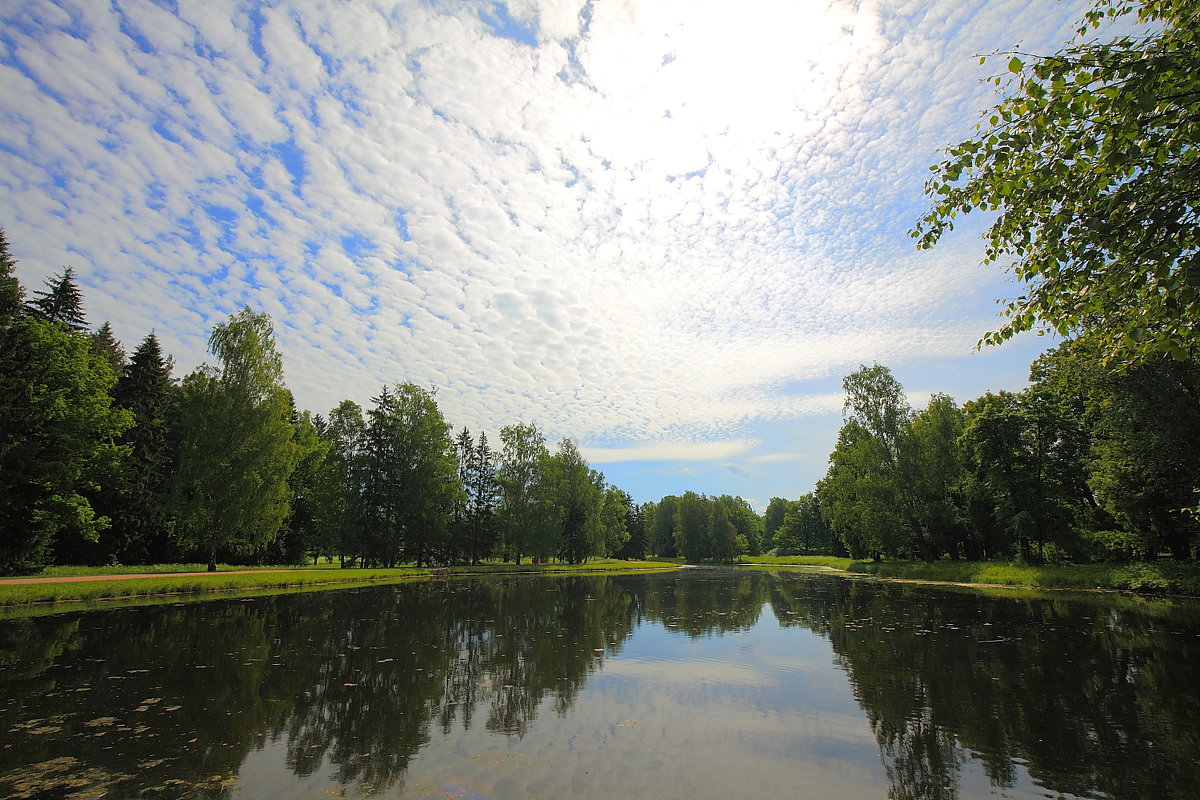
<point x="660" y="228"/>
<point x="668" y="451"/>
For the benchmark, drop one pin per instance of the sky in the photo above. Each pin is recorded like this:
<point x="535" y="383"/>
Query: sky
<point x="666" y="229"/>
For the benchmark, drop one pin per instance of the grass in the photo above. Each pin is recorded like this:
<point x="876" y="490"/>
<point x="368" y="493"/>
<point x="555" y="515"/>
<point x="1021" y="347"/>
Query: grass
<point x="1160" y="577"/>
<point x="831" y="562"/>
<point x="271" y="579"/>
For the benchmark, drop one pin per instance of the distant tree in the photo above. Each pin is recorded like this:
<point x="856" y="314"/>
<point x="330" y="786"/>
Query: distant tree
<point x="579" y="496"/>
<point x="236" y="443"/>
<point x="477" y="514"/>
<point x="724" y="535"/>
<point x="747" y="524"/>
<point x="61" y="301"/>
<point x="662" y="533"/>
<point x="617" y="508"/>
<point x="804" y="530"/>
<point x="12" y="295"/>
<point x="1088" y="169"/>
<point x="772" y="520"/>
<point x="528" y="517"/>
<point x="635" y="523"/>
<point x="693" y="527"/>
<point x="107" y="347"/>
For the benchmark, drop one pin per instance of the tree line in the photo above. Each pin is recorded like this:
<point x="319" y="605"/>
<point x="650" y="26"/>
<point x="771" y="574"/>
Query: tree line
<point x="106" y="458"/>
<point x="1091" y="462"/>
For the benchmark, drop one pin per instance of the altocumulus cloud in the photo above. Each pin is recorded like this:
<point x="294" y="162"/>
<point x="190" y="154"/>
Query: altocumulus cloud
<point x="644" y="225"/>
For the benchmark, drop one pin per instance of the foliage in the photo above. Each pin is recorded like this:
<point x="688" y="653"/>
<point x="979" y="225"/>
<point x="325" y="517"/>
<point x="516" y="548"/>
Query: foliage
<point x="410" y="477"/>
<point x="236" y="442"/>
<point x="12" y="295"/>
<point x="61" y="302"/>
<point x="1091" y="163"/>
<point x="58" y="444"/>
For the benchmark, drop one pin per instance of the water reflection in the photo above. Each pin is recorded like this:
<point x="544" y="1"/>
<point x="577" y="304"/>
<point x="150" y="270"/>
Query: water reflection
<point x="349" y="689"/>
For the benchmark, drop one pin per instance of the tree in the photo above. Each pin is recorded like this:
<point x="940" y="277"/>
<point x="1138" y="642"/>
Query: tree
<point x="236" y="442"/>
<point x="579" y="495"/>
<point x="804" y="530"/>
<point x="858" y="496"/>
<point x="663" y="531"/>
<point x="529" y="520"/>
<point x="61" y="301"/>
<point x="410" y="477"/>
<point x="338" y="500"/>
<point x="59" y="442"/>
<point x="747" y="525"/>
<point x="724" y="547"/>
<point x="772" y="520"/>
<point x="12" y="296"/>
<point x="477" y="513"/>
<point x="1091" y="163"/>
<point x="693" y="527"/>
<point x="107" y="347"/>
<point x="147" y="391"/>
<point x="616" y="512"/>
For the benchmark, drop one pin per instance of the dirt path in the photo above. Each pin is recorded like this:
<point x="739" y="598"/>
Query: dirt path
<point x="81" y="578"/>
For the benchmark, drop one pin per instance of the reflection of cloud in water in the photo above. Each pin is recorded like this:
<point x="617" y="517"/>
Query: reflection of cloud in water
<point x="686" y="672"/>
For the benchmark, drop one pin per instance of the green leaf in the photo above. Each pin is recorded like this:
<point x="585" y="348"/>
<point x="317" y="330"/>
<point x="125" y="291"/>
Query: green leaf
<point x="1015" y="64"/>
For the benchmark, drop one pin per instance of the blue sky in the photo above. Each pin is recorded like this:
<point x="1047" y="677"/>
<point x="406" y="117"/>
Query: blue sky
<point x="663" y="229"/>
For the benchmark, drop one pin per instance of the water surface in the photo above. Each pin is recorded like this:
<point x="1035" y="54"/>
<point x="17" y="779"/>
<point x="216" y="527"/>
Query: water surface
<point x="696" y="684"/>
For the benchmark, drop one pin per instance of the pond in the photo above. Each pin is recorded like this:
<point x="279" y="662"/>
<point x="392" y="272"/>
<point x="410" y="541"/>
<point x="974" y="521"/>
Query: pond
<point x="695" y="684"/>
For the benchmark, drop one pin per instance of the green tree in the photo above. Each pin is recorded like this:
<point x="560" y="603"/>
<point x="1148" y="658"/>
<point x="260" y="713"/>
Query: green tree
<point x="616" y="511"/>
<point x="529" y="520"/>
<point x="663" y="531"/>
<point x="236" y="443"/>
<point x="1091" y="165"/>
<point x="61" y="301"/>
<point x="477" y="512"/>
<point x="338" y="501"/>
<point x="935" y="471"/>
<point x="693" y="527"/>
<point x="107" y="347"/>
<point x="59" y="442"/>
<point x="148" y="392"/>
<point x="579" y="495"/>
<point x="747" y="524"/>
<point x="723" y="534"/>
<point x="858" y="496"/>
<point x="12" y="295"/>
<point x="772" y="519"/>
<point x="410" y="477"/>
<point x="804" y="530"/>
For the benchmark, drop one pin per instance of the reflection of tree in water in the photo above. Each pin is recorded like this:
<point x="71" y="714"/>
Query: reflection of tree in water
<point x="703" y="602"/>
<point x="162" y="699"/>
<point x="1091" y="696"/>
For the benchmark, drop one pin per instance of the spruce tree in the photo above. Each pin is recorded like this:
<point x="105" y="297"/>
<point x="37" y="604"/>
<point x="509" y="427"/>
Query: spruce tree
<point x="148" y="393"/>
<point x="12" y="296"/>
<point x="61" y="301"/>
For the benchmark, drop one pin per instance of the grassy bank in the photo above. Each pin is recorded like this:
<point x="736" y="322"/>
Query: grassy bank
<point x="829" y="562"/>
<point x="269" y="579"/>
<point x="1160" y="577"/>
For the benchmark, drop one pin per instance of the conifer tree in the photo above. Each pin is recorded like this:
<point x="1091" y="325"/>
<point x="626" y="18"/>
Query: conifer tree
<point x="12" y="296"/>
<point x="61" y="301"/>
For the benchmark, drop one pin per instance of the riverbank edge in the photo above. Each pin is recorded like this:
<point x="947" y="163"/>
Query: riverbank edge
<point x="106" y="591"/>
<point x="1159" y="579"/>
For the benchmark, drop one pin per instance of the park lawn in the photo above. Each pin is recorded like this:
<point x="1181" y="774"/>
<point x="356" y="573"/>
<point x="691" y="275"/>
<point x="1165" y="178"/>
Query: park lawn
<point x="829" y="562"/>
<point x="272" y="579"/>
<point x="1155" y="577"/>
